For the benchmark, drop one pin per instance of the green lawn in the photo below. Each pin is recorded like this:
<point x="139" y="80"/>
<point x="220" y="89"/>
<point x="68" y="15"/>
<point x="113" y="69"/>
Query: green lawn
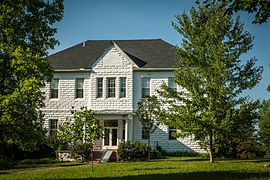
<point x="170" y="168"/>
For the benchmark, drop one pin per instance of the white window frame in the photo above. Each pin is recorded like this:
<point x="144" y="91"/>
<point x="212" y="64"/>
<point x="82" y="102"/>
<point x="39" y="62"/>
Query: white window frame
<point x="54" y="91"/>
<point x="99" y="94"/>
<point x="123" y="81"/>
<point x="77" y="89"/>
<point x="112" y="88"/>
<point x="143" y="86"/>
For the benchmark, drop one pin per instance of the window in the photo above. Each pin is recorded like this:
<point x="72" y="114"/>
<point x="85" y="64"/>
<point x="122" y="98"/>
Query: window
<point x="111" y="87"/>
<point x="122" y="87"/>
<point x="53" y="126"/>
<point x="54" y="88"/>
<point x="145" y="134"/>
<point x="171" y="84"/>
<point x="172" y="130"/>
<point x="145" y="86"/>
<point x="79" y="88"/>
<point x="99" y="87"/>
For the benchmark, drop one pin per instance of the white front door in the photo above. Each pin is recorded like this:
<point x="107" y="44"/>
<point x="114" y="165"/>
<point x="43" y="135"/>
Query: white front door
<point x="110" y="140"/>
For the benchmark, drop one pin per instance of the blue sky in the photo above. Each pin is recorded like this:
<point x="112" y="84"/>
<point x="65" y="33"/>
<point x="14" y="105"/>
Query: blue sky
<point x="148" y="19"/>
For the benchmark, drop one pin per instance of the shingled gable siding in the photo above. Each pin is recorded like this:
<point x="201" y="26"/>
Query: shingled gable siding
<point x="111" y="64"/>
<point x="161" y="135"/>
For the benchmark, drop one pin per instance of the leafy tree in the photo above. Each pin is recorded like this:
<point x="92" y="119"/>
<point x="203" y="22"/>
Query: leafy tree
<point x="238" y="132"/>
<point x="260" y="7"/>
<point x="210" y="72"/>
<point x="264" y="125"/>
<point x="25" y="36"/>
<point x="82" y="127"/>
<point x="147" y="112"/>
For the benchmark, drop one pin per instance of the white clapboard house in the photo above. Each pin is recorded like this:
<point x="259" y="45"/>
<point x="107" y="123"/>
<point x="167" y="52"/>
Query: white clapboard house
<point x="110" y="77"/>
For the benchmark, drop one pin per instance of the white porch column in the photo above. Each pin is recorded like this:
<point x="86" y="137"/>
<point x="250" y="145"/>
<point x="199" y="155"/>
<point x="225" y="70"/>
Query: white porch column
<point x="127" y="129"/>
<point x="130" y="119"/>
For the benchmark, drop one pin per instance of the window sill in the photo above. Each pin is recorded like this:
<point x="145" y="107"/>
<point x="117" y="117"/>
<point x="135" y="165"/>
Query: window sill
<point x="79" y="99"/>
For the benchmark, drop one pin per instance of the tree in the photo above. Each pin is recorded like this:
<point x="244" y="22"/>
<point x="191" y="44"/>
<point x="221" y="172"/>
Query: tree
<point x="210" y="72"/>
<point x="264" y="125"/>
<point x="83" y="127"/>
<point x="148" y="108"/>
<point x="239" y="131"/>
<point x="25" y="36"/>
<point x="260" y="7"/>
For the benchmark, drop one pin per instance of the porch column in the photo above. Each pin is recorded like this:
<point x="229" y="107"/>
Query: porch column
<point x="127" y="129"/>
<point x="130" y="119"/>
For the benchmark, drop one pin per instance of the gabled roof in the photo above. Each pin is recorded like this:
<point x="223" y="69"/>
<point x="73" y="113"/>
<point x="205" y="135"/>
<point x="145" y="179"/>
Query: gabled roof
<point x="148" y="53"/>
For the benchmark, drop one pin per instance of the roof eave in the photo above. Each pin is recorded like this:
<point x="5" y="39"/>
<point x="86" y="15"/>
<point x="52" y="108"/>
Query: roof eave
<point x="73" y="70"/>
<point x="153" y="69"/>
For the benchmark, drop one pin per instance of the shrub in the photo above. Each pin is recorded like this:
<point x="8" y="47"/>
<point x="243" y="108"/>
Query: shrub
<point x="127" y="151"/>
<point x="81" y="150"/>
<point x="5" y="163"/>
<point x="181" y="154"/>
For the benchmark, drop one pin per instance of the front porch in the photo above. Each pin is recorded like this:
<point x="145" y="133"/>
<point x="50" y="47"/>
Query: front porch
<point x="118" y="129"/>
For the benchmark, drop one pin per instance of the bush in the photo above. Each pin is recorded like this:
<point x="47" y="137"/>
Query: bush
<point x="181" y="154"/>
<point x="5" y="163"/>
<point x="38" y="161"/>
<point x="81" y="151"/>
<point x="127" y="151"/>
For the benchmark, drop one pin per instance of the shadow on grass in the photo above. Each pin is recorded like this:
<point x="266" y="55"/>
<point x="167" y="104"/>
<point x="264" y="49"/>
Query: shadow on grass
<point x="32" y="167"/>
<point x="191" y="175"/>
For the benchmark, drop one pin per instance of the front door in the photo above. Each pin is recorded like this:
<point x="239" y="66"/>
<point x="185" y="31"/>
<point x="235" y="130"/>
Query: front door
<point x="110" y="140"/>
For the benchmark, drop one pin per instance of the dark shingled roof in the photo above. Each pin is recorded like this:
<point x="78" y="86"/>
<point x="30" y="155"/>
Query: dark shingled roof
<point x="149" y="53"/>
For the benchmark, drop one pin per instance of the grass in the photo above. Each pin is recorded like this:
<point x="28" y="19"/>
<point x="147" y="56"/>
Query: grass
<point x="31" y="164"/>
<point x="169" y="168"/>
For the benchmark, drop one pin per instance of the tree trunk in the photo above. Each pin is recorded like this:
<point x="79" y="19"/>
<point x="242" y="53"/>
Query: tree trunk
<point x="211" y="147"/>
<point x="148" y="147"/>
<point x="92" y="158"/>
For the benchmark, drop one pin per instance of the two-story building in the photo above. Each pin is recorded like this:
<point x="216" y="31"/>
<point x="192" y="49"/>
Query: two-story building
<point x="110" y="77"/>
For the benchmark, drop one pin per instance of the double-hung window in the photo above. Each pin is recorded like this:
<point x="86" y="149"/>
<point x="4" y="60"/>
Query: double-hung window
<point x="54" y="88"/>
<point x="145" y="134"/>
<point x="171" y="84"/>
<point x="79" y="88"/>
<point x="111" y="87"/>
<point x="145" y="87"/>
<point x="53" y="126"/>
<point x="99" y="87"/>
<point x="122" y="87"/>
<point x="172" y="131"/>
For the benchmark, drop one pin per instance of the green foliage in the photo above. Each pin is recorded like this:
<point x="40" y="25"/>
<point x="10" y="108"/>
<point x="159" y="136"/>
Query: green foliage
<point x="246" y="148"/>
<point x="239" y="128"/>
<point x="26" y="35"/>
<point x="148" y="114"/>
<point x="128" y="151"/>
<point x="83" y="150"/>
<point x="264" y="125"/>
<point x="181" y="154"/>
<point x="82" y="127"/>
<point x="210" y="72"/>
<point x="260" y="7"/>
